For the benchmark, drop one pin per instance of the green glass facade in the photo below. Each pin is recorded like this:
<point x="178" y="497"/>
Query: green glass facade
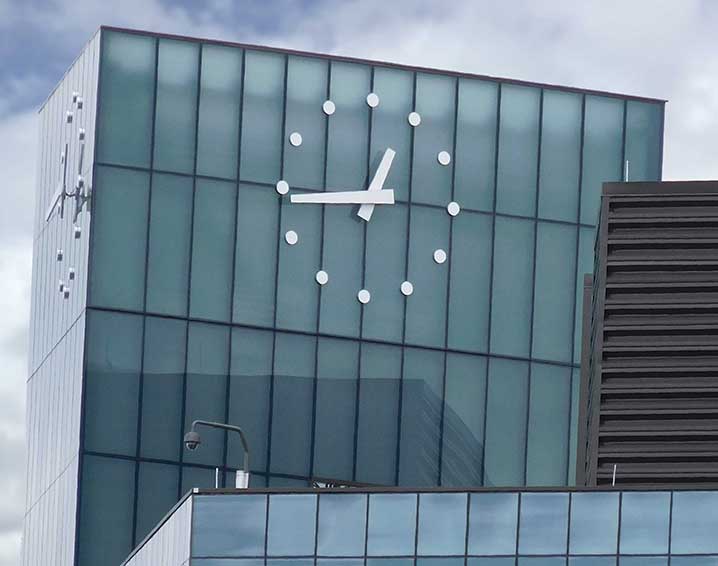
<point x="199" y="308"/>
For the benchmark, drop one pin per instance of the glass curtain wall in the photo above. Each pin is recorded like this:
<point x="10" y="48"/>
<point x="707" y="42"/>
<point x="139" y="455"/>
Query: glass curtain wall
<point x="201" y="308"/>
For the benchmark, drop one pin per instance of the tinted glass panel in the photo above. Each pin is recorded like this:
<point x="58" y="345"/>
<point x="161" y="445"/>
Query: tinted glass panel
<point x="294" y="371"/>
<point x="119" y="238"/>
<point x="337" y="374"/>
<point x="297" y="290"/>
<point x="390" y="127"/>
<point x="492" y="523"/>
<point x="213" y="250"/>
<point x="229" y="525"/>
<point x="426" y="308"/>
<point x="463" y="423"/>
<point x="249" y="394"/>
<point x="291" y="525"/>
<point x="470" y="281"/>
<point x="193" y="477"/>
<point x="513" y="273"/>
<point x="114" y="353"/>
<point x="207" y="368"/>
<point x="342" y="524"/>
<point x="541" y="561"/>
<point x="421" y="417"/>
<point x="602" y="151"/>
<point x="549" y="406"/>
<point x="176" y="111"/>
<point x="543" y="523"/>
<point x="476" y="144"/>
<point x="442" y="523"/>
<point x="342" y="259"/>
<point x="694" y="560"/>
<point x="435" y="99"/>
<point x="379" y="393"/>
<point x="169" y="244"/>
<point x="386" y="249"/>
<point x="518" y="150"/>
<point x="260" y="157"/>
<point x="560" y="155"/>
<point x="162" y="385"/>
<point x="157" y="486"/>
<point x="594" y="523"/>
<point x="106" y="514"/>
<point x="390" y="562"/>
<point x="506" y="423"/>
<point x="644" y="124"/>
<point x="645" y="560"/>
<point x="219" y="110"/>
<point x="392" y="524"/>
<point x="348" y="128"/>
<point x="695" y="522"/>
<point x="306" y="91"/>
<point x="127" y="88"/>
<point x="644" y="522"/>
<point x="256" y="255"/>
<point x="553" y="320"/>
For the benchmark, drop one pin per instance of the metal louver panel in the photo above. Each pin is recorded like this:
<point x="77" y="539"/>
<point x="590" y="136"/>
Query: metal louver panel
<point x="650" y="364"/>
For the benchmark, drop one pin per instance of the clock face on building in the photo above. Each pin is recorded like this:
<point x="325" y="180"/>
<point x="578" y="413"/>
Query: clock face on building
<point x="72" y="182"/>
<point x="72" y="185"/>
<point x="365" y="199"/>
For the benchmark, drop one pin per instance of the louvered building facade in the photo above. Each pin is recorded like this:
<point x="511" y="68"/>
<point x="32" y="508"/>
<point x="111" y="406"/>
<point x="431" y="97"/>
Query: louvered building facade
<point x="650" y="338"/>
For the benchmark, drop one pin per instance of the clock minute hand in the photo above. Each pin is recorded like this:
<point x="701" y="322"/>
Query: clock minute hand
<point x="377" y="183"/>
<point x="365" y="198"/>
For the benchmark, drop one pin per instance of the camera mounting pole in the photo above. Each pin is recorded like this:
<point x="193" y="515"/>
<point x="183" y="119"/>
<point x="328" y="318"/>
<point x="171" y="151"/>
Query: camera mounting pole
<point x="192" y="440"/>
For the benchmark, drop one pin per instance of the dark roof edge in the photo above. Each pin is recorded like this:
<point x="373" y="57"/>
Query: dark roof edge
<point x="647" y="188"/>
<point x="386" y="64"/>
<point x="394" y="489"/>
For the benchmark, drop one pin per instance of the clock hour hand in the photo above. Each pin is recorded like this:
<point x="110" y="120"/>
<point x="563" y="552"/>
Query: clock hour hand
<point x="55" y="199"/>
<point x="377" y="183"/>
<point x="365" y="198"/>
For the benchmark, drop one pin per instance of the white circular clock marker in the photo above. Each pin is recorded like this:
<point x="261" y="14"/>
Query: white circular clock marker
<point x="295" y="138"/>
<point x="439" y="256"/>
<point x="414" y="118"/>
<point x="322" y="277"/>
<point x="364" y="296"/>
<point x="329" y="107"/>
<point x="372" y="99"/>
<point x="407" y="288"/>
<point x="453" y="208"/>
<point x="291" y="237"/>
<point x="282" y="187"/>
<point x="444" y="157"/>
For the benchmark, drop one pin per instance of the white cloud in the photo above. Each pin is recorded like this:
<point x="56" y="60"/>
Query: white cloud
<point x="659" y="48"/>
<point x="18" y="136"/>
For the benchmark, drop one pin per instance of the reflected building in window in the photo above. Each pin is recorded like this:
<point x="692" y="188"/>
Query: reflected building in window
<point x="434" y="344"/>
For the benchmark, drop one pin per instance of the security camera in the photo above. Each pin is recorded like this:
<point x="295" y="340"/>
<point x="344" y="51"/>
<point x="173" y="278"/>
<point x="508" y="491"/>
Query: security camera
<point x="192" y="440"/>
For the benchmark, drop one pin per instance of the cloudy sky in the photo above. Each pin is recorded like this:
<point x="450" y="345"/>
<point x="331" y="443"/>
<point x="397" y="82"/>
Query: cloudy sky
<point x="658" y="48"/>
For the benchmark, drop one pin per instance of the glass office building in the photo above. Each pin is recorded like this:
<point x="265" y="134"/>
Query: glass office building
<point x="437" y="528"/>
<point x="434" y="344"/>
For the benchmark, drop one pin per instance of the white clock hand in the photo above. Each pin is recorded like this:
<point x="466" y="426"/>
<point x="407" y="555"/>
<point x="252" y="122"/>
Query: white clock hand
<point x="59" y="193"/>
<point x="365" y="198"/>
<point x="377" y="183"/>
